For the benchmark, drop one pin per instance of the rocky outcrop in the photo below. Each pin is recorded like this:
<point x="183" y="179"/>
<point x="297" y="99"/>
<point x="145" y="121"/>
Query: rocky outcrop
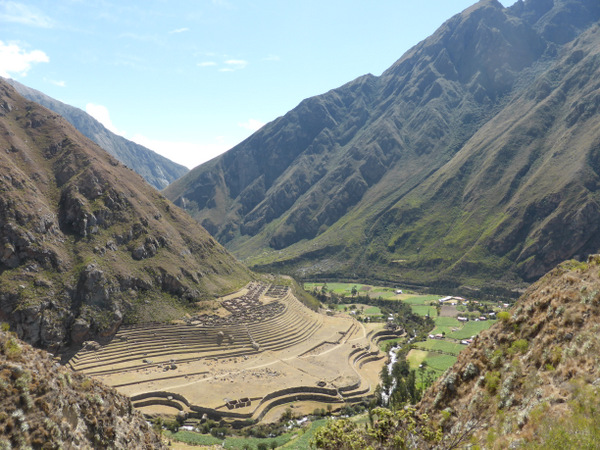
<point x="44" y="405"/>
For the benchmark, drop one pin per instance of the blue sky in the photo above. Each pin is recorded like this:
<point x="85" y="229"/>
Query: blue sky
<point x="190" y="79"/>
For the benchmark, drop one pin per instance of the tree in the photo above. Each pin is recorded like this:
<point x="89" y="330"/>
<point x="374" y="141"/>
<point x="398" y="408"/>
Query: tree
<point x="341" y="434"/>
<point x="354" y="291"/>
<point x="399" y="430"/>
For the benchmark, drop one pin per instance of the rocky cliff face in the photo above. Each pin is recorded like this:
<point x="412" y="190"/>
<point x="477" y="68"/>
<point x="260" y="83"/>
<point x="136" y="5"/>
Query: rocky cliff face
<point x="44" y="405"/>
<point x="469" y="161"/>
<point x="535" y="368"/>
<point x="154" y="168"/>
<point x="85" y="243"/>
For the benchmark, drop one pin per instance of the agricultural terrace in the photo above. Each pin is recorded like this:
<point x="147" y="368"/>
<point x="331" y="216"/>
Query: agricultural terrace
<point x="435" y="354"/>
<point x="259" y="351"/>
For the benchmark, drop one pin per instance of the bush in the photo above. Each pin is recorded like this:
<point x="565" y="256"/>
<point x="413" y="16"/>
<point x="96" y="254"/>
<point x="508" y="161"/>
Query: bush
<point x="219" y="432"/>
<point x="492" y="381"/>
<point x="519" y="346"/>
<point x="12" y="348"/>
<point x="504" y="316"/>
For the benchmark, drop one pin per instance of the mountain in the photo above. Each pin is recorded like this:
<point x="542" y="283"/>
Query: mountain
<point x="472" y="161"/>
<point x="44" y="405"/>
<point x="156" y="169"/>
<point x="85" y="243"/>
<point x="534" y="375"/>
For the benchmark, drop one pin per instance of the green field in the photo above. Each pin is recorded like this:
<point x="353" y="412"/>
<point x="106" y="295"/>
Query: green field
<point x="424" y="310"/>
<point x="372" y="311"/>
<point x="416" y="357"/>
<point x="435" y="361"/>
<point x="421" y="305"/>
<point x="426" y="351"/>
<point x="303" y="441"/>
<point x="440" y="345"/>
<point x="296" y="439"/>
<point x="366" y="309"/>
<point x="471" y="328"/>
<point x="440" y="363"/>
<point x="413" y="299"/>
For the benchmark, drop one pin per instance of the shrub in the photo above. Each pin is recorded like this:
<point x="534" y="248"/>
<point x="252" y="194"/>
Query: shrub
<point x="86" y="384"/>
<point x="12" y="348"/>
<point x="519" y="346"/>
<point x="492" y="381"/>
<point x="504" y="317"/>
<point x="497" y="358"/>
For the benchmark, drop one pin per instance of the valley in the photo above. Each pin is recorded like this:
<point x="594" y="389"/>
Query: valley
<point x="411" y="256"/>
<point x="260" y="357"/>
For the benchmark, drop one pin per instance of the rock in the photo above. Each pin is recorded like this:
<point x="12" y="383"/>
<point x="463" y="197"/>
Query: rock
<point x="139" y="253"/>
<point x="115" y="323"/>
<point x="91" y="346"/>
<point x="79" y="330"/>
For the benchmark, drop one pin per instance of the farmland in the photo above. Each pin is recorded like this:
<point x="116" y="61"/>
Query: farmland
<point x="437" y="354"/>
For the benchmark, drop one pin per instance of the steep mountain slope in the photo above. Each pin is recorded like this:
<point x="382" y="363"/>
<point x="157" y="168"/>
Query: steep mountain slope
<point x="85" y="243"/>
<point x="470" y="160"/>
<point x="156" y="169"/>
<point x="535" y="374"/>
<point x="43" y="405"/>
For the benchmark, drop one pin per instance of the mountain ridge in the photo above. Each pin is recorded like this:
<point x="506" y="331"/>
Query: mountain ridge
<point x="348" y="175"/>
<point x="154" y="168"/>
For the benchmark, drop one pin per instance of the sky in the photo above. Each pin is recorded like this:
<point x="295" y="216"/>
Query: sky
<point x="191" y="79"/>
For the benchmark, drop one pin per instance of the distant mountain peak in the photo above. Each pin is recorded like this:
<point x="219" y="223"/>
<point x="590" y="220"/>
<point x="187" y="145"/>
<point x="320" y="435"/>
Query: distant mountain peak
<point x="154" y="168"/>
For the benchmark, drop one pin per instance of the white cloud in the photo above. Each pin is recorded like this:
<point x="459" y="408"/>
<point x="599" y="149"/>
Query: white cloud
<point x="189" y="154"/>
<point x="101" y="114"/>
<point x="179" y="30"/>
<point x="252" y="124"/>
<point x="16" y="12"/>
<point x="236" y="63"/>
<point x="15" y="60"/>
<point x="228" y="65"/>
